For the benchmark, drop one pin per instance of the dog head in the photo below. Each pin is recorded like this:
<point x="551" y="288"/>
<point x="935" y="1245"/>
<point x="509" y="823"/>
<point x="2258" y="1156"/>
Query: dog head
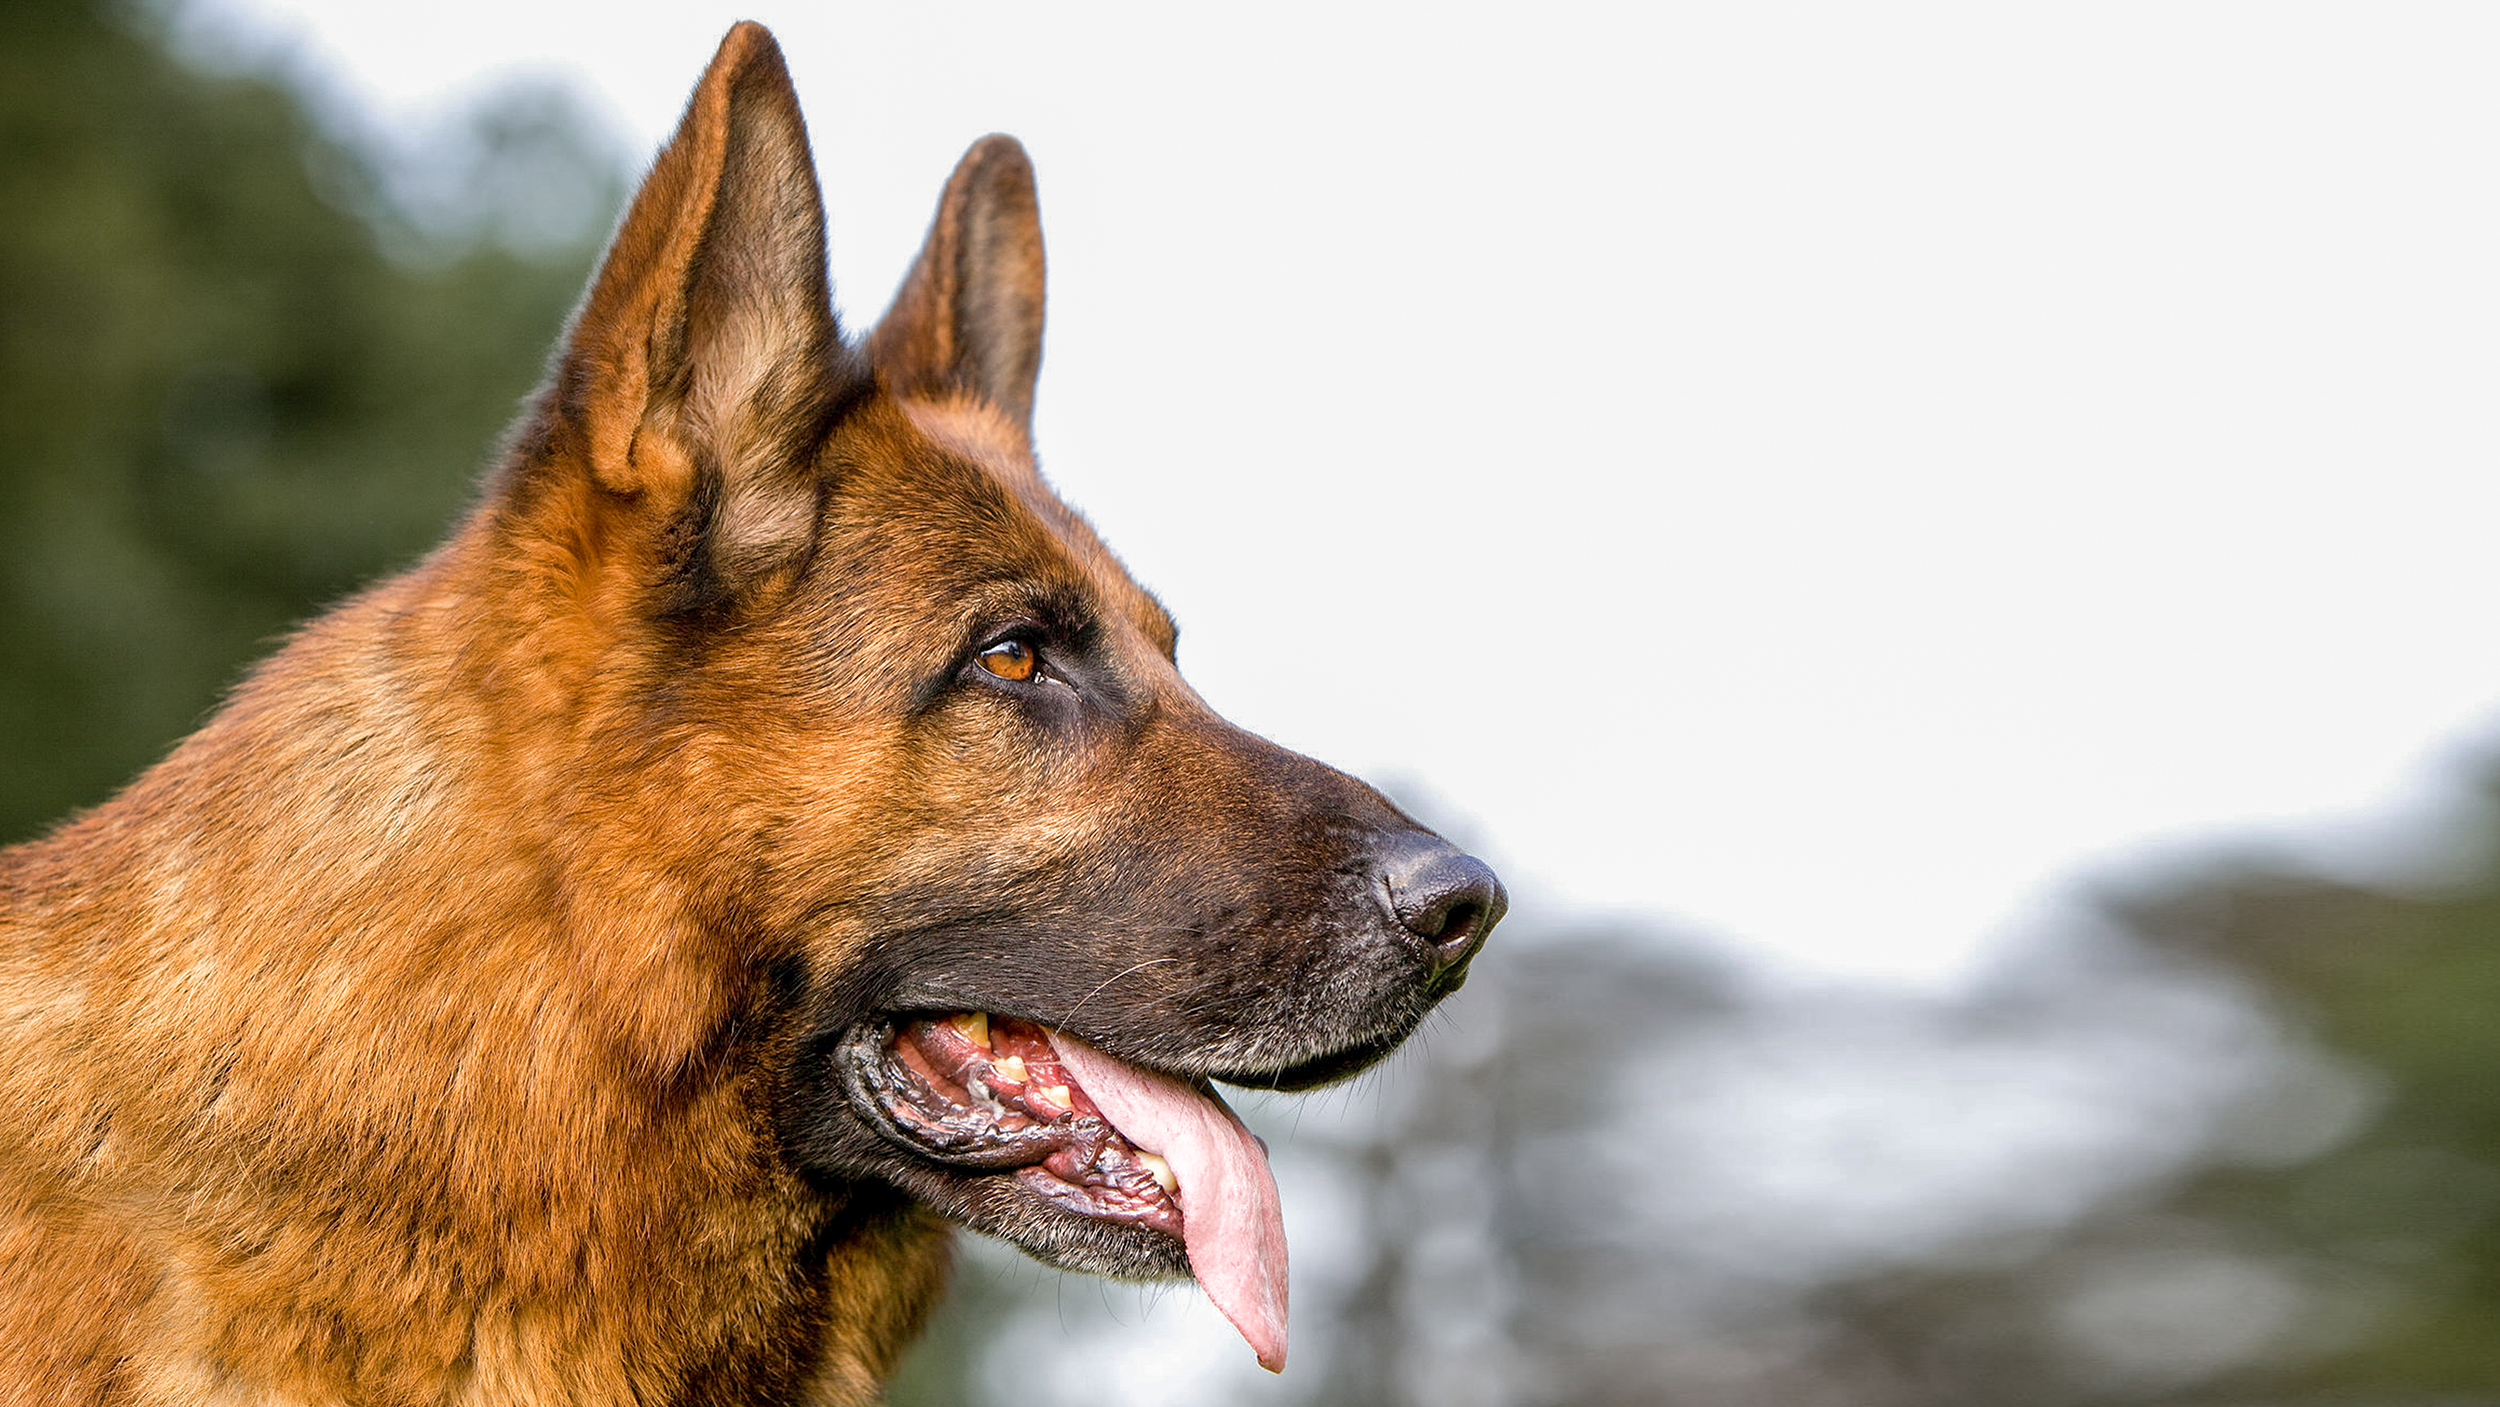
<point x="904" y="741"/>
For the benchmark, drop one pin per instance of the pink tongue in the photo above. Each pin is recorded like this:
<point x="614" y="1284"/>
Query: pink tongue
<point x="1231" y="1220"/>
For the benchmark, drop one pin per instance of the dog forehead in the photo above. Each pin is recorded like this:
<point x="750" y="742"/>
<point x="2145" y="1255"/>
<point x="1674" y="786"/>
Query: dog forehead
<point x="971" y="429"/>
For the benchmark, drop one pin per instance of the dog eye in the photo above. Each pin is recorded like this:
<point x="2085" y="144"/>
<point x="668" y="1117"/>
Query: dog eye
<point x="1011" y="659"/>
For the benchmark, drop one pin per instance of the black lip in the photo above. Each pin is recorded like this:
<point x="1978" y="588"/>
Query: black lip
<point x="859" y="1055"/>
<point x="866" y="1077"/>
<point x="1322" y="1070"/>
<point x="984" y="1192"/>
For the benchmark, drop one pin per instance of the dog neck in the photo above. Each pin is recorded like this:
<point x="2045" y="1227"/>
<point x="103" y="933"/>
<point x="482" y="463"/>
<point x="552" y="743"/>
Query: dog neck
<point x="384" y="1061"/>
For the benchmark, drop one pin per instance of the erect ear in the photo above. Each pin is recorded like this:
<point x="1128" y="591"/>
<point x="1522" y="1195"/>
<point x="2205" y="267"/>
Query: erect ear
<point x="704" y="367"/>
<point x="969" y="315"/>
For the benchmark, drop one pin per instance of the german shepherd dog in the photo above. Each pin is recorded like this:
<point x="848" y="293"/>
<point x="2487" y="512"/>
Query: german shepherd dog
<point x="600" y="964"/>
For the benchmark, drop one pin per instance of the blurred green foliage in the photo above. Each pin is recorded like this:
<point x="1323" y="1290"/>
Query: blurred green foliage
<point x="2390" y="1232"/>
<point x="234" y="384"/>
<point x="2355" y="1261"/>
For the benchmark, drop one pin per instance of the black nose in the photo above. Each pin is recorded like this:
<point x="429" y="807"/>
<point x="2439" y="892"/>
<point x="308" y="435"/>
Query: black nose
<point x="1442" y="895"/>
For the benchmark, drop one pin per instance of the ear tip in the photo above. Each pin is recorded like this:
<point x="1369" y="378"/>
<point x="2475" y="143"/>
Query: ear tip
<point x="748" y="48"/>
<point x="998" y="165"/>
<point x="746" y="40"/>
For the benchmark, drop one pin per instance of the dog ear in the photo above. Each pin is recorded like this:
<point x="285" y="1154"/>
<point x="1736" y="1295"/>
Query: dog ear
<point x="704" y="366"/>
<point x="969" y="315"/>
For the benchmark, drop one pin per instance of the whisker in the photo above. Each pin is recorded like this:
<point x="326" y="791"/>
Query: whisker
<point x="1106" y="982"/>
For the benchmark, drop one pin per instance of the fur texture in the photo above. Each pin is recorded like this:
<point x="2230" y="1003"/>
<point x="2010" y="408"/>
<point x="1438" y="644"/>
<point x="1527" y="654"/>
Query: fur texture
<point x="455" y="1017"/>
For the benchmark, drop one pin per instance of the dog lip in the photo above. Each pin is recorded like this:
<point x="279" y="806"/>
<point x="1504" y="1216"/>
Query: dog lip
<point x="864" y="1064"/>
<point x="1292" y="1070"/>
<point x="1194" y="1068"/>
<point x="864" y="1042"/>
<point x="940" y="1088"/>
<point x="995" y="1200"/>
<point x="1203" y="1069"/>
<point x="1324" y="1068"/>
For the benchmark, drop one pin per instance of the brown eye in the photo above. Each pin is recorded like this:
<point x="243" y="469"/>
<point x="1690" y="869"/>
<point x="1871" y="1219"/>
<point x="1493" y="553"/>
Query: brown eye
<point x="1011" y="659"/>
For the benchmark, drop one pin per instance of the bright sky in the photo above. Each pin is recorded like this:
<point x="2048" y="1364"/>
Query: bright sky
<point x="1826" y="475"/>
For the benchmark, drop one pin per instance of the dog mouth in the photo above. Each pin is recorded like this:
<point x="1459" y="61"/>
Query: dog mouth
<point x="1091" y="1136"/>
<point x="994" y="1094"/>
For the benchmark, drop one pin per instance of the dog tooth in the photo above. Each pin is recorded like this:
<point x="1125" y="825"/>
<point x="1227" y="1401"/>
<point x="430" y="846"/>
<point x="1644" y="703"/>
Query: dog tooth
<point x="1009" y="1068"/>
<point x="1162" y="1171"/>
<point x="973" y="1026"/>
<point x="1059" y="1095"/>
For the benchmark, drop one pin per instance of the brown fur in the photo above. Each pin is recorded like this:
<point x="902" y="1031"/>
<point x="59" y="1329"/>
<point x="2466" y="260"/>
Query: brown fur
<point x="448" y="1020"/>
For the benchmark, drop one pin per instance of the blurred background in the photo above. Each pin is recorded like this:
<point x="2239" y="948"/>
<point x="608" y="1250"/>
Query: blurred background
<point x="1943" y="549"/>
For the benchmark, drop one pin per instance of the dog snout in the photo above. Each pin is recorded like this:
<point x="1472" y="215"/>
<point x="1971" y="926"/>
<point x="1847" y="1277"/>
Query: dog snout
<point x="1447" y="899"/>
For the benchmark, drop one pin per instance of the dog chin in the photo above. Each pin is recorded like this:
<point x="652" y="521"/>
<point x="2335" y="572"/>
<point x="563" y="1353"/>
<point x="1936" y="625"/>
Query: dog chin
<point x="844" y="1149"/>
<point x="996" y="1205"/>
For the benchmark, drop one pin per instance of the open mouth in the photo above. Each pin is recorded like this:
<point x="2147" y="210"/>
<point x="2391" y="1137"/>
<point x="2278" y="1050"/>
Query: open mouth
<point x="1096" y="1137"/>
<point x="995" y="1094"/>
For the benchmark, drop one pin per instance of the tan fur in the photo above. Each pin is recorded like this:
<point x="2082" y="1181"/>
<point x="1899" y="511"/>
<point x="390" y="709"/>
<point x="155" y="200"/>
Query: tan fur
<point x="376" y="1046"/>
<point x="457" y="1018"/>
<point x="427" y="1052"/>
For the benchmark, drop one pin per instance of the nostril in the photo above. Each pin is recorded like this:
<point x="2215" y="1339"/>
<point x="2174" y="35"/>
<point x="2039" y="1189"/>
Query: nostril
<point x="1448" y="899"/>
<point x="1453" y="923"/>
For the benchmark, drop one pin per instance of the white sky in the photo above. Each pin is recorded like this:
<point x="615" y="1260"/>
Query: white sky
<point x="1824" y="474"/>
